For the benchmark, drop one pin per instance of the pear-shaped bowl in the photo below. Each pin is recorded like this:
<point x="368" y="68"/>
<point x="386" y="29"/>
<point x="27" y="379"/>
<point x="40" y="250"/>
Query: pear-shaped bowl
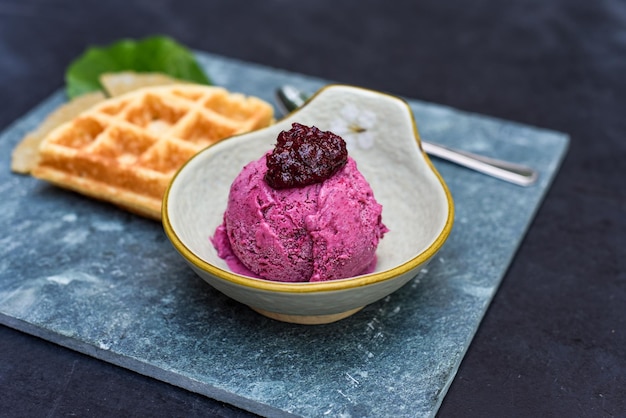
<point x="382" y="137"/>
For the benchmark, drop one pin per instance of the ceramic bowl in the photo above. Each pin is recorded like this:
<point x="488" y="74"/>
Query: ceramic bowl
<point x="382" y="137"/>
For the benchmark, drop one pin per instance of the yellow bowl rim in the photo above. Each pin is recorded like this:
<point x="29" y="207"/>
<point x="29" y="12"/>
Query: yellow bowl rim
<point x="324" y="286"/>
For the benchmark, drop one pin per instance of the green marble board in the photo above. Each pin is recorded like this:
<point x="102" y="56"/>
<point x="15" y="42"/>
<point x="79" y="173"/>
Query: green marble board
<point x="101" y="281"/>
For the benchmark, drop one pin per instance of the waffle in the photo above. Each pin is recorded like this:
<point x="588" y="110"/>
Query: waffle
<point x="26" y="153"/>
<point x="125" y="150"/>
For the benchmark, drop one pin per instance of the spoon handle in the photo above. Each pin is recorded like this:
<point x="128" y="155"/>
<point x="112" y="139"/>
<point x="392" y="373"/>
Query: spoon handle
<point x="503" y="170"/>
<point x="290" y="98"/>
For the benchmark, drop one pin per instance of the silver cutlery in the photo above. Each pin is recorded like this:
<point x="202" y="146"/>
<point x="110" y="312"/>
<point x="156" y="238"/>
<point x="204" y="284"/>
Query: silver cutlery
<point x="290" y="98"/>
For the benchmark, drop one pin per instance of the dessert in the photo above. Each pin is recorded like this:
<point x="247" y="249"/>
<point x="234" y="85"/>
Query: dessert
<point x="126" y="149"/>
<point x="302" y="212"/>
<point x="26" y="153"/>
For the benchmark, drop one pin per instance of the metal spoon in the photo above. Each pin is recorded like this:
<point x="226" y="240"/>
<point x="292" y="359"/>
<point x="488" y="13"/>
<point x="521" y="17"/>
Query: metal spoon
<point x="290" y="98"/>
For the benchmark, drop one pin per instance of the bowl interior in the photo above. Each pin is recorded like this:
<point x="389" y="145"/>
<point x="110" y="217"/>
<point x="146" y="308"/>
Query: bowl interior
<point x="381" y="137"/>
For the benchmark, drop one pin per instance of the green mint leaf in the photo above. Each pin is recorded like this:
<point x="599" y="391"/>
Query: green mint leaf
<point x="154" y="54"/>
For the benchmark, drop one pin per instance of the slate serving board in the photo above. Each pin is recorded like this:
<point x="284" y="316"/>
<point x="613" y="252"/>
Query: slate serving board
<point x="98" y="280"/>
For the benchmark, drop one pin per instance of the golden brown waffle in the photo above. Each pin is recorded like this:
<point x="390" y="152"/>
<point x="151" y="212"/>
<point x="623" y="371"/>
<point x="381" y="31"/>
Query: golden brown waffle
<point x="126" y="150"/>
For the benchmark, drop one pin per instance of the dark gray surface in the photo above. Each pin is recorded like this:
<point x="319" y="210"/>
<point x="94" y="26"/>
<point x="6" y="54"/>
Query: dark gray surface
<point x="552" y="342"/>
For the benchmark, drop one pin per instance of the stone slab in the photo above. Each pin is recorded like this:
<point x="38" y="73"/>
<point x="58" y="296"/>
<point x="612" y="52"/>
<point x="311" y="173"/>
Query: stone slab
<point x="98" y="280"/>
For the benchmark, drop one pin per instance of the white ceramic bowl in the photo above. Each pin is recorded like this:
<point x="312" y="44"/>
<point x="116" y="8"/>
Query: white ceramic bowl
<point x="382" y="137"/>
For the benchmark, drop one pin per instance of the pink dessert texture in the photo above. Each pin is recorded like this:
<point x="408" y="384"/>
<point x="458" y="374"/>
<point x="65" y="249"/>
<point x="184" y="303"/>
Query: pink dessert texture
<point x="323" y="231"/>
<point x="302" y="212"/>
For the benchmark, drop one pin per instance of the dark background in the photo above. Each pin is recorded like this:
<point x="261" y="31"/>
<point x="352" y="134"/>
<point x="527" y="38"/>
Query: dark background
<point x="553" y="342"/>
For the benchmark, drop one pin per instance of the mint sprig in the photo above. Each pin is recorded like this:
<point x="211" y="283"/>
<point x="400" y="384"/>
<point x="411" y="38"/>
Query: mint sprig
<point x="154" y="54"/>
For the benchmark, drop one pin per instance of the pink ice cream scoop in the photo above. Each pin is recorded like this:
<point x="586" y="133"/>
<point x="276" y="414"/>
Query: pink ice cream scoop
<point x="322" y="231"/>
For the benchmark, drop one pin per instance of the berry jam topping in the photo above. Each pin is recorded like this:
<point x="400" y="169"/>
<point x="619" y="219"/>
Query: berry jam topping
<point x="304" y="155"/>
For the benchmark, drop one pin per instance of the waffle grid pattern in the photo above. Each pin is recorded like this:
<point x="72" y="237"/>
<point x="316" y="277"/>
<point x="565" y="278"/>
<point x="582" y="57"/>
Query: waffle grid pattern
<point x="127" y="149"/>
